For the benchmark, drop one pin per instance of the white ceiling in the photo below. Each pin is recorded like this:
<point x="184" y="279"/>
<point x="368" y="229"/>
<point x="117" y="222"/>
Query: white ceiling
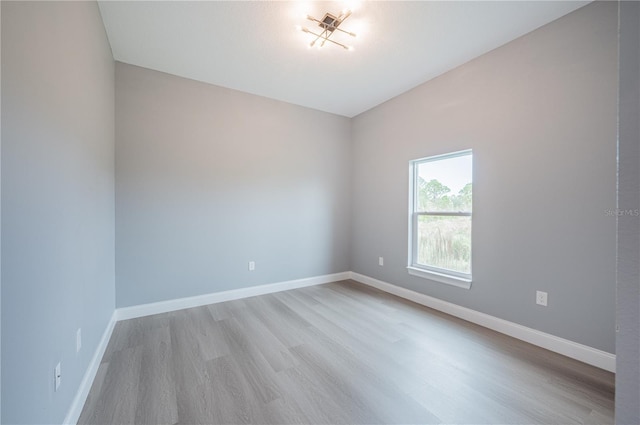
<point x="253" y="46"/>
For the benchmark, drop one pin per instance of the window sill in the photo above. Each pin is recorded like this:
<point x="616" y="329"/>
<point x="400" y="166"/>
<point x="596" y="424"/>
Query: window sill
<point x="460" y="282"/>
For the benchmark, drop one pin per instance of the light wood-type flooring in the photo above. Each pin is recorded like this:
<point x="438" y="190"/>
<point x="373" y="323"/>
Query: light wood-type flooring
<point x="340" y="353"/>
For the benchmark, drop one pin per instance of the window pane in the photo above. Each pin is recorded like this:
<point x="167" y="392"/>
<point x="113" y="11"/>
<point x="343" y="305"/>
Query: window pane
<point x="445" y="184"/>
<point x="445" y="242"/>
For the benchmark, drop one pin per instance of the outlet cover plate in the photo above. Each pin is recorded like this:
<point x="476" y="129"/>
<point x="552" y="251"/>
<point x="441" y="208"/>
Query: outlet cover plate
<point x="541" y="298"/>
<point x="57" y="375"/>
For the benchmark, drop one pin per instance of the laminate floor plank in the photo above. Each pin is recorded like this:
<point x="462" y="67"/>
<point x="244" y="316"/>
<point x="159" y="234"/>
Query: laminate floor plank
<point x="129" y="333"/>
<point x="376" y="358"/>
<point x="342" y="297"/>
<point x="340" y="353"/>
<point x="359" y="317"/>
<point x="205" y="331"/>
<point x="272" y="349"/>
<point x="350" y="399"/>
<point x="290" y="332"/>
<point x="375" y="385"/>
<point x="226" y="310"/>
<point x="118" y="397"/>
<point x="254" y="366"/>
<point x="91" y="405"/>
<point x="156" y="400"/>
<point x="283" y="411"/>
<point x="369" y="351"/>
<point x="233" y="400"/>
<point x="316" y="398"/>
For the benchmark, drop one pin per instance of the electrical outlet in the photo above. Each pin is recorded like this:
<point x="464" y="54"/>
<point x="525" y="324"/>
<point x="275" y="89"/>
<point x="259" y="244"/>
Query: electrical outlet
<point x="380" y="261"/>
<point x="541" y="298"/>
<point x="57" y="376"/>
<point x="252" y="266"/>
<point x="78" y="340"/>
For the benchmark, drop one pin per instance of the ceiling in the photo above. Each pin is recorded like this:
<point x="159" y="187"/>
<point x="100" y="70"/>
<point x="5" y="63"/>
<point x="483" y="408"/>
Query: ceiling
<point x="253" y="46"/>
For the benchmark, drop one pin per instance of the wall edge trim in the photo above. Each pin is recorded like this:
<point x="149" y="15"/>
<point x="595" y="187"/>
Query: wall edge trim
<point x="132" y="312"/>
<point x="92" y="369"/>
<point x="574" y="350"/>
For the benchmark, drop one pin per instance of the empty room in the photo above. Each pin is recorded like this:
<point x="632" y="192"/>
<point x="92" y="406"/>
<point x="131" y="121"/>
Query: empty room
<point x="301" y="212"/>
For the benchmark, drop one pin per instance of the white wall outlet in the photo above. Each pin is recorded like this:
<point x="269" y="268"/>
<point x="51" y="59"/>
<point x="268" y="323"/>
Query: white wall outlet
<point x="78" y="340"/>
<point x="541" y="298"/>
<point x="57" y="376"/>
<point x="380" y="261"/>
<point x="252" y="266"/>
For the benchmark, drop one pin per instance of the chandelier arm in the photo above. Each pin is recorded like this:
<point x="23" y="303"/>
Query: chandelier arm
<point x="311" y="18"/>
<point x="344" y="46"/>
<point x="318" y="37"/>
<point x="346" y="32"/>
<point x="344" y="16"/>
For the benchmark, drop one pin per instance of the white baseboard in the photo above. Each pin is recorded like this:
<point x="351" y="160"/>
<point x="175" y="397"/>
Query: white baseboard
<point x="217" y="297"/>
<point x="583" y="353"/>
<point x="87" y="380"/>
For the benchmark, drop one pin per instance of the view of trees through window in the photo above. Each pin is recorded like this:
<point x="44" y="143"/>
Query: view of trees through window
<point x="435" y="196"/>
<point x="443" y="213"/>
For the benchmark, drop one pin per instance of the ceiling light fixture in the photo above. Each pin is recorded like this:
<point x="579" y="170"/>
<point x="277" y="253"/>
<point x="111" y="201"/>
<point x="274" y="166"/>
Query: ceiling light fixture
<point x="329" y="24"/>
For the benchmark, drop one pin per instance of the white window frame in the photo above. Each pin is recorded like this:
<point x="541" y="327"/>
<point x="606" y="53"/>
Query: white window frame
<point x="450" y="277"/>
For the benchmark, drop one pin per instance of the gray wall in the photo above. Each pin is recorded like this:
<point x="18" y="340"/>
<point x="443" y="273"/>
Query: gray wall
<point x="540" y="116"/>
<point x="57" y="201"/>
<point x="209" y="178"/>
<point x="628" y="306"/>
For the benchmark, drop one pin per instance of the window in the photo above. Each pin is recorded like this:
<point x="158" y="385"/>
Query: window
<point x="440" y="218"/>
